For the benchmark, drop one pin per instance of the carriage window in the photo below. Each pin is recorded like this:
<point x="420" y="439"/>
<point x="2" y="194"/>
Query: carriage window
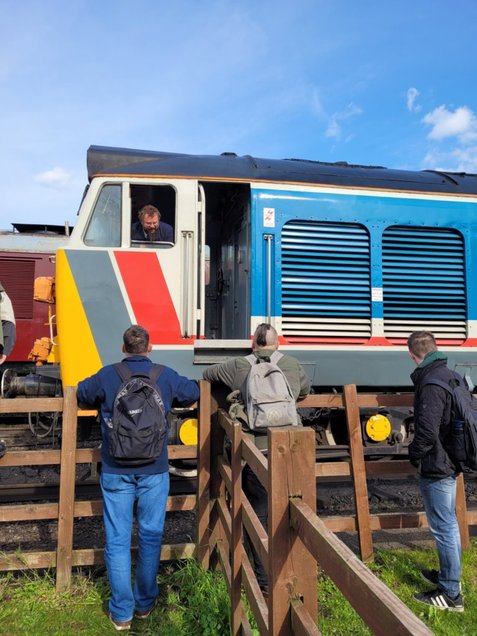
<point x="104" y="228"/>
<point x="153" y="210"/>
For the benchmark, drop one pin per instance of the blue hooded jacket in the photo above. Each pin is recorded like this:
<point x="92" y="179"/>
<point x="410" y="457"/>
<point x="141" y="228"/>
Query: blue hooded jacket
<point x="100" y="389"/>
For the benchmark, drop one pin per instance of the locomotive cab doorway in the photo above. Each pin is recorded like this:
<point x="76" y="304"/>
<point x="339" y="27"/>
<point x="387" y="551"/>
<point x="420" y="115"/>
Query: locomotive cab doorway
<point x="227" y="261"/>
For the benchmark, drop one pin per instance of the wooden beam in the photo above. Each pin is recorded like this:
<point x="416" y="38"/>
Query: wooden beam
<point x="382" y="611"/>
<point x="67" y="490"/>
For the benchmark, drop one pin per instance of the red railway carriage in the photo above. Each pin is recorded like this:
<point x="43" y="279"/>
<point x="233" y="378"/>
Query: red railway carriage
<point x="28" y="255"/>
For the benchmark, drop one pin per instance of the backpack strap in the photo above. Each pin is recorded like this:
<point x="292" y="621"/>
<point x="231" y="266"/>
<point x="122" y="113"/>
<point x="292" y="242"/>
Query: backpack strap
<point x="155" y="372"/>
<point x="449" y="386"/>
<point x="123" y="371"/>
<point x="251" y="359"/>
<point x="274" y="358"/>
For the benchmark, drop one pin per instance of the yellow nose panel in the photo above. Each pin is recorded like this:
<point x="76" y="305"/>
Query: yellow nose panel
<point x="189" y="432"/>
<point x="378" y="428"/>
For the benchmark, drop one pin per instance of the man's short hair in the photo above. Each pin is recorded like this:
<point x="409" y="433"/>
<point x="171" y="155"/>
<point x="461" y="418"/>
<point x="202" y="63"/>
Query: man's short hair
<point x="420" y="343"/>
<point x="136" y="339"/>
<point x="148" y="210"/>
<point x="265" y="335"/>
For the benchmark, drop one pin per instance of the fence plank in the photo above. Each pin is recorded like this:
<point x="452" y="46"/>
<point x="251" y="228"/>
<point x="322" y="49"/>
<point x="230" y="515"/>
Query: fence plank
<point x="255" y="597"/>
<point x="358" y="471"/>
<point x="67" y="490"/>
<point x="256" y="532"/>
<point x="302" y="624"/>
<point x="31" y="458"/>
<point x="256" y="460"/>
<point x="236" y="521"/>
<point x="203" y="477"/>
<point x="217" y="486"/>
<point x="382" y="611"/>
<point x="461" y="513"/>
<point x="31" y="405"/>
<point x="292" y="573"/>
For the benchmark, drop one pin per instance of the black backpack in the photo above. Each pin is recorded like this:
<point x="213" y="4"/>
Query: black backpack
<point x="138" y="428"/>
<point x="464" y="423"/>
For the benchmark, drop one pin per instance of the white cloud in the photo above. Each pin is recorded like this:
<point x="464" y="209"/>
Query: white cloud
<point x="335" y="121"/>
<point x="411" y="96"/>
<point x="466" y="159"/>
<point x="457" y="160"/>
<point x="460" y="123"/>
<point x="57" y="178"/>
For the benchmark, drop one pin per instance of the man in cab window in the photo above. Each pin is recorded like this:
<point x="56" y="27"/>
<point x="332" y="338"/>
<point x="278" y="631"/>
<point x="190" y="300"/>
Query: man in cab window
<point x="149" y="227"/>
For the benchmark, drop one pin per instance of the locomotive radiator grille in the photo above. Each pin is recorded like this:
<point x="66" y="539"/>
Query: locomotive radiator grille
<point x="326" y="288"/>
<point x="424" y="283"/>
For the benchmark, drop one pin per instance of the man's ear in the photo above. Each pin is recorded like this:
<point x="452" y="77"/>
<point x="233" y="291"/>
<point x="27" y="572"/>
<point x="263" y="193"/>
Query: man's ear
<point x="149" y="347"/>
<point x="123" y="348"/>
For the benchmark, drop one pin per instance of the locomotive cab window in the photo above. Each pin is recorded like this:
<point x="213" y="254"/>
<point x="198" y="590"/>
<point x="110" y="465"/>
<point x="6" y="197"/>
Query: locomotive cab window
<point x="153" y="211"/>
<point x="104" y="228"/>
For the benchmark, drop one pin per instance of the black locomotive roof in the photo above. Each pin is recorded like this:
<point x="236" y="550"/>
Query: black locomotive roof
<point x="103" y="160"/>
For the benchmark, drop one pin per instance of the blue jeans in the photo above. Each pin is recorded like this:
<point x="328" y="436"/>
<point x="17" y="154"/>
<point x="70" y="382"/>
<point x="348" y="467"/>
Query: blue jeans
<point x="439" y="503"/>
<point x="119" y="494"/>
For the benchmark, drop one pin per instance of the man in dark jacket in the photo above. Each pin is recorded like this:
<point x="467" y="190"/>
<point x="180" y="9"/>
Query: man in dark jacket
<point x="430" y="452"/>
<point x="122" y="486"/>
<point x="233" y="374"/>
<point x="149" y="227"/>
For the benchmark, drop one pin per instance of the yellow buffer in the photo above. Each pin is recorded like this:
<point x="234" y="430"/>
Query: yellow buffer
<point x="378" y="428"/>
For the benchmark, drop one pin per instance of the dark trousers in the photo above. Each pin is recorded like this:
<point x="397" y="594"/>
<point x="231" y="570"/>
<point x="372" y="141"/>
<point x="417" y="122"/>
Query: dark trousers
<point x="9" y="336"/>
<point x="257" y="495"/>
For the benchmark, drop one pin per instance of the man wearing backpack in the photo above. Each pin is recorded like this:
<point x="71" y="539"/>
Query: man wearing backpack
<point x="430" y="451"/>
<point x="144" y="482"/>
<point x="234" y="374"/>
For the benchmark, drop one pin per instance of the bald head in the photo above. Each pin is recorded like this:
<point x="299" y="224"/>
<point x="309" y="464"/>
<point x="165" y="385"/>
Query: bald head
<point x="265" y="337"/>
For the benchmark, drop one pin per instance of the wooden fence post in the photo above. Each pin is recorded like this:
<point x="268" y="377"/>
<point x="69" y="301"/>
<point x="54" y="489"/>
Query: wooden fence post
<point x="358" y="472"/>
<point x="203" y="477"/>
<point x="236" y="527"/>
<point x="461" y="513"/>
<point x="292" y="571"/>
<point x="217" y="486"/>
<point x="64" y="552"/>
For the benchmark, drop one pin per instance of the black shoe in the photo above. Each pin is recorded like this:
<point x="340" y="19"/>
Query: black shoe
<point x="431" y="576"/>
<point x="440" y="600"/>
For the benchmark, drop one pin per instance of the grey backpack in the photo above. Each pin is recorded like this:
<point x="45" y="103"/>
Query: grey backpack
<point x="267" y="395"/>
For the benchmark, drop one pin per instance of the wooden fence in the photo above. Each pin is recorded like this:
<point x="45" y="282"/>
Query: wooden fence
<point x="67" y="508"/>
<point x="297" y="540"/>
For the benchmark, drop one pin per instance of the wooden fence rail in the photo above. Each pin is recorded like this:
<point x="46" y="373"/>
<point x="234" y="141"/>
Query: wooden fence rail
<point x="296" y="537"/>
<point x="67" y="509"/>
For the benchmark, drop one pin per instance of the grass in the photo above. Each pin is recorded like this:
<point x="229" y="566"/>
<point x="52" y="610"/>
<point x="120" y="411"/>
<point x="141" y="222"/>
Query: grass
<point x="192" y="603"/>
<point x="195" y="603"/>
<point x="399" y="570"/>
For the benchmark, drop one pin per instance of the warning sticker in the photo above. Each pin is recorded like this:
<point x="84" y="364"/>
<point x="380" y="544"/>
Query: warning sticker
<point x="268" y="217"/>
<point x="377" y="294"/>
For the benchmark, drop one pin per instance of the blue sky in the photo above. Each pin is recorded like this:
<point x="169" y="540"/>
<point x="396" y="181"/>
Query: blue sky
<point x="368" y="82"/>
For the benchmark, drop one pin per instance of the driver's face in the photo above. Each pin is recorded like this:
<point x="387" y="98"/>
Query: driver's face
<point x="150" y="222"/>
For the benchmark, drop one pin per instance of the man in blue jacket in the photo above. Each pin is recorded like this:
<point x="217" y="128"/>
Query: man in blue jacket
<point x="122" y="486"/>
<point x="431" y="452"/>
